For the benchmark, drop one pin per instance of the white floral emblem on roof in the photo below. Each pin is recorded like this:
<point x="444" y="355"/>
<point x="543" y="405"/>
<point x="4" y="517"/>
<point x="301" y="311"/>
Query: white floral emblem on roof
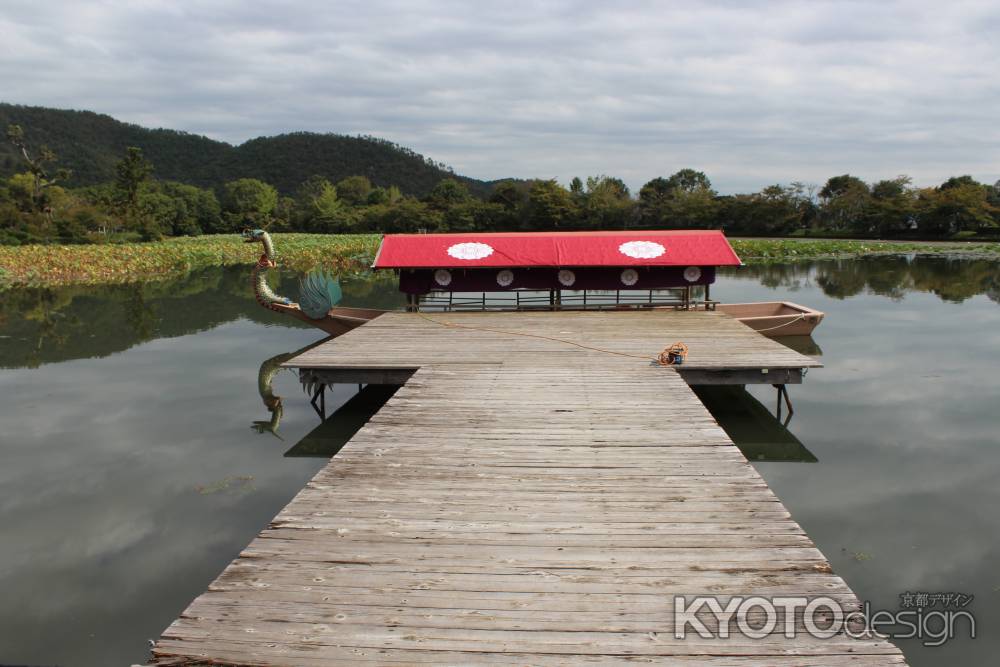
<point x="470" y="251"/>
<point x="641" y="249"/>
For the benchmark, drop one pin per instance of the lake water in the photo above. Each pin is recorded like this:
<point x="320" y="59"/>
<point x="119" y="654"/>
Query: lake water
<point x="132" y="470"/>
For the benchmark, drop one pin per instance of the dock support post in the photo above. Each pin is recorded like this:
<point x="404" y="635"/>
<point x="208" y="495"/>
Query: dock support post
<point x="320" y="395"/>
<point x="783" y="394"/>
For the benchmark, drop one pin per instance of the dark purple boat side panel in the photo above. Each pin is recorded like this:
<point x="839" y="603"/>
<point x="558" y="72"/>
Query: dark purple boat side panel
<point x="423" y="281"/>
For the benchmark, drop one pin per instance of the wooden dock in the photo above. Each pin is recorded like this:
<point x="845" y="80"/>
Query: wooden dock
<point x="523" y="501"/>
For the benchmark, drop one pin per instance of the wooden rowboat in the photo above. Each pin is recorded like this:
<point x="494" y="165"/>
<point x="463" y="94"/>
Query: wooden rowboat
<point x="775" y="318"/>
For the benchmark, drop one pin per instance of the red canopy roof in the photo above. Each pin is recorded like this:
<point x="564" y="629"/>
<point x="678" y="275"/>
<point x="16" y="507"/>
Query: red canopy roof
<point x="520" y="249"/>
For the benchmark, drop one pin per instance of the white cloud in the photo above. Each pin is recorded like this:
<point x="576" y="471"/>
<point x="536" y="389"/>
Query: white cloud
<point x="751" y="92"/>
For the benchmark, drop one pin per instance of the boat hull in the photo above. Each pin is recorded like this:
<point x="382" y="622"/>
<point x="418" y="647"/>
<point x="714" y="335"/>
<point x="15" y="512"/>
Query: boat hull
<point x="339" y="319"/>
<point x="775" y="318"/>
<point x="771" y="318"/>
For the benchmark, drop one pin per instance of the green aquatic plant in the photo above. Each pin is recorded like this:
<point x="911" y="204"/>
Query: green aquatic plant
<point x="768" y="251"/>
<point x="348" y="254"/>
<point x="51" y="265"/>
<point x="232" y="483"/>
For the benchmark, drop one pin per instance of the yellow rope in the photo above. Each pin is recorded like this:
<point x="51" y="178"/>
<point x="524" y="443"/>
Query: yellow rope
<point x="784" y="324"/>
<point x="659" y="360"/>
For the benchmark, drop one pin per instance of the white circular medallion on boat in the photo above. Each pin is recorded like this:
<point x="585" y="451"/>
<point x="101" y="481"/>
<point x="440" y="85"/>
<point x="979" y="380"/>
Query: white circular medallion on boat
<point x="442" y="277"/>
<point x="641" y="249"/>
<point x="566" y="278"/>
<point x="692" y="274"/>
<point x="630" y="277"/>
<point x="505" y="278"/>
<point x="470" y="251"/>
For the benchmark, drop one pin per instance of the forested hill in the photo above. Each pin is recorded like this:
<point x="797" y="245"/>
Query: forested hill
<point x="90" y="144"/>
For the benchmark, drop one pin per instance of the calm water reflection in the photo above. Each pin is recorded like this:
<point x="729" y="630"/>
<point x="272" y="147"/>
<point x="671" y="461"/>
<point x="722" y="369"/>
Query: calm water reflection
<point x="130" y="474"/>
<point x="904" y="422"/>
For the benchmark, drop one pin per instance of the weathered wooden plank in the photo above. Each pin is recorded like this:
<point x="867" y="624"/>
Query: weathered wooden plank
<point x="248" y="651"/>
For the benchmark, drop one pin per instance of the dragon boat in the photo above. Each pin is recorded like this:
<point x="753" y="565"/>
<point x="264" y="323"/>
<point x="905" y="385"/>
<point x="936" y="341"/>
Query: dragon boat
<point x="319" y="294"/>
<point x="541" y="271"/>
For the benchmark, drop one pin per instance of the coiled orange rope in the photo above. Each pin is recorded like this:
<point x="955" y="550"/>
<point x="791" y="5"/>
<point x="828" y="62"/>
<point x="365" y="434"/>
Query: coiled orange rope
<point x="673" y="355"/>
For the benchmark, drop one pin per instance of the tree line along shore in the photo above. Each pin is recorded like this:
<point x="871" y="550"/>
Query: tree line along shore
<point x="37" y="208"/>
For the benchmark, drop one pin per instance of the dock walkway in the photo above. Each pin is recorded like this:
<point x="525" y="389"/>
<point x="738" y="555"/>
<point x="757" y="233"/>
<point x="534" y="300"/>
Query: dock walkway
<point x="521" y="501"/>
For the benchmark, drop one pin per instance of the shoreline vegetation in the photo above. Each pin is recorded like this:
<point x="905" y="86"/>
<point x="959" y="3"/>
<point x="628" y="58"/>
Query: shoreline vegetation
<point x="56" y="265"/>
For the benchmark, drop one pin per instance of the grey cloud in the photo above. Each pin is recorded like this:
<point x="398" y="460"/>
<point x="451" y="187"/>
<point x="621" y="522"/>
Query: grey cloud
<point x="751" y="92"/>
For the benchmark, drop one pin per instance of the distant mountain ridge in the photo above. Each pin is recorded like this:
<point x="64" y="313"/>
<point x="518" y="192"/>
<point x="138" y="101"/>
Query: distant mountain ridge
<point x="90" y="144"/>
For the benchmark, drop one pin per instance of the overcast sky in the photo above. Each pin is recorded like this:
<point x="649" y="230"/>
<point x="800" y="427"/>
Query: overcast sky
<point x="752" y="93"/>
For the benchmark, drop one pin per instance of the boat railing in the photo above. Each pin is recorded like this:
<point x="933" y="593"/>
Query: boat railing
<point x="681" y="298"/>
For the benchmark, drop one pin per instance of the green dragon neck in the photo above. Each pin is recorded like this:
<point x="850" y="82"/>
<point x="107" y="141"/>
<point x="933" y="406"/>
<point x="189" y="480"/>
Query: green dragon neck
<point x="265" y="295"/>
<point x="268" y="246"/>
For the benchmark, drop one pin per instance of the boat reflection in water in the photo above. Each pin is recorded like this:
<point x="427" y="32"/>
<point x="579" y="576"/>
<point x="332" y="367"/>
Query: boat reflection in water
<point x="265" y="377"/>
<point x="269" y="369"/>
<point x="751" y="426"/>
<point x="334" y="430"/>
<point x="801" y="344"/>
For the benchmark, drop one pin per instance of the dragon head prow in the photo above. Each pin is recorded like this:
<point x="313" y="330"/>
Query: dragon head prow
<point x="253" y="235"/>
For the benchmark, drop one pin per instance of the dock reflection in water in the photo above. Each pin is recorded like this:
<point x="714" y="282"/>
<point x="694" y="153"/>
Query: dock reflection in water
<point x="333" y="432"/>
<point x="757" y="432"/>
